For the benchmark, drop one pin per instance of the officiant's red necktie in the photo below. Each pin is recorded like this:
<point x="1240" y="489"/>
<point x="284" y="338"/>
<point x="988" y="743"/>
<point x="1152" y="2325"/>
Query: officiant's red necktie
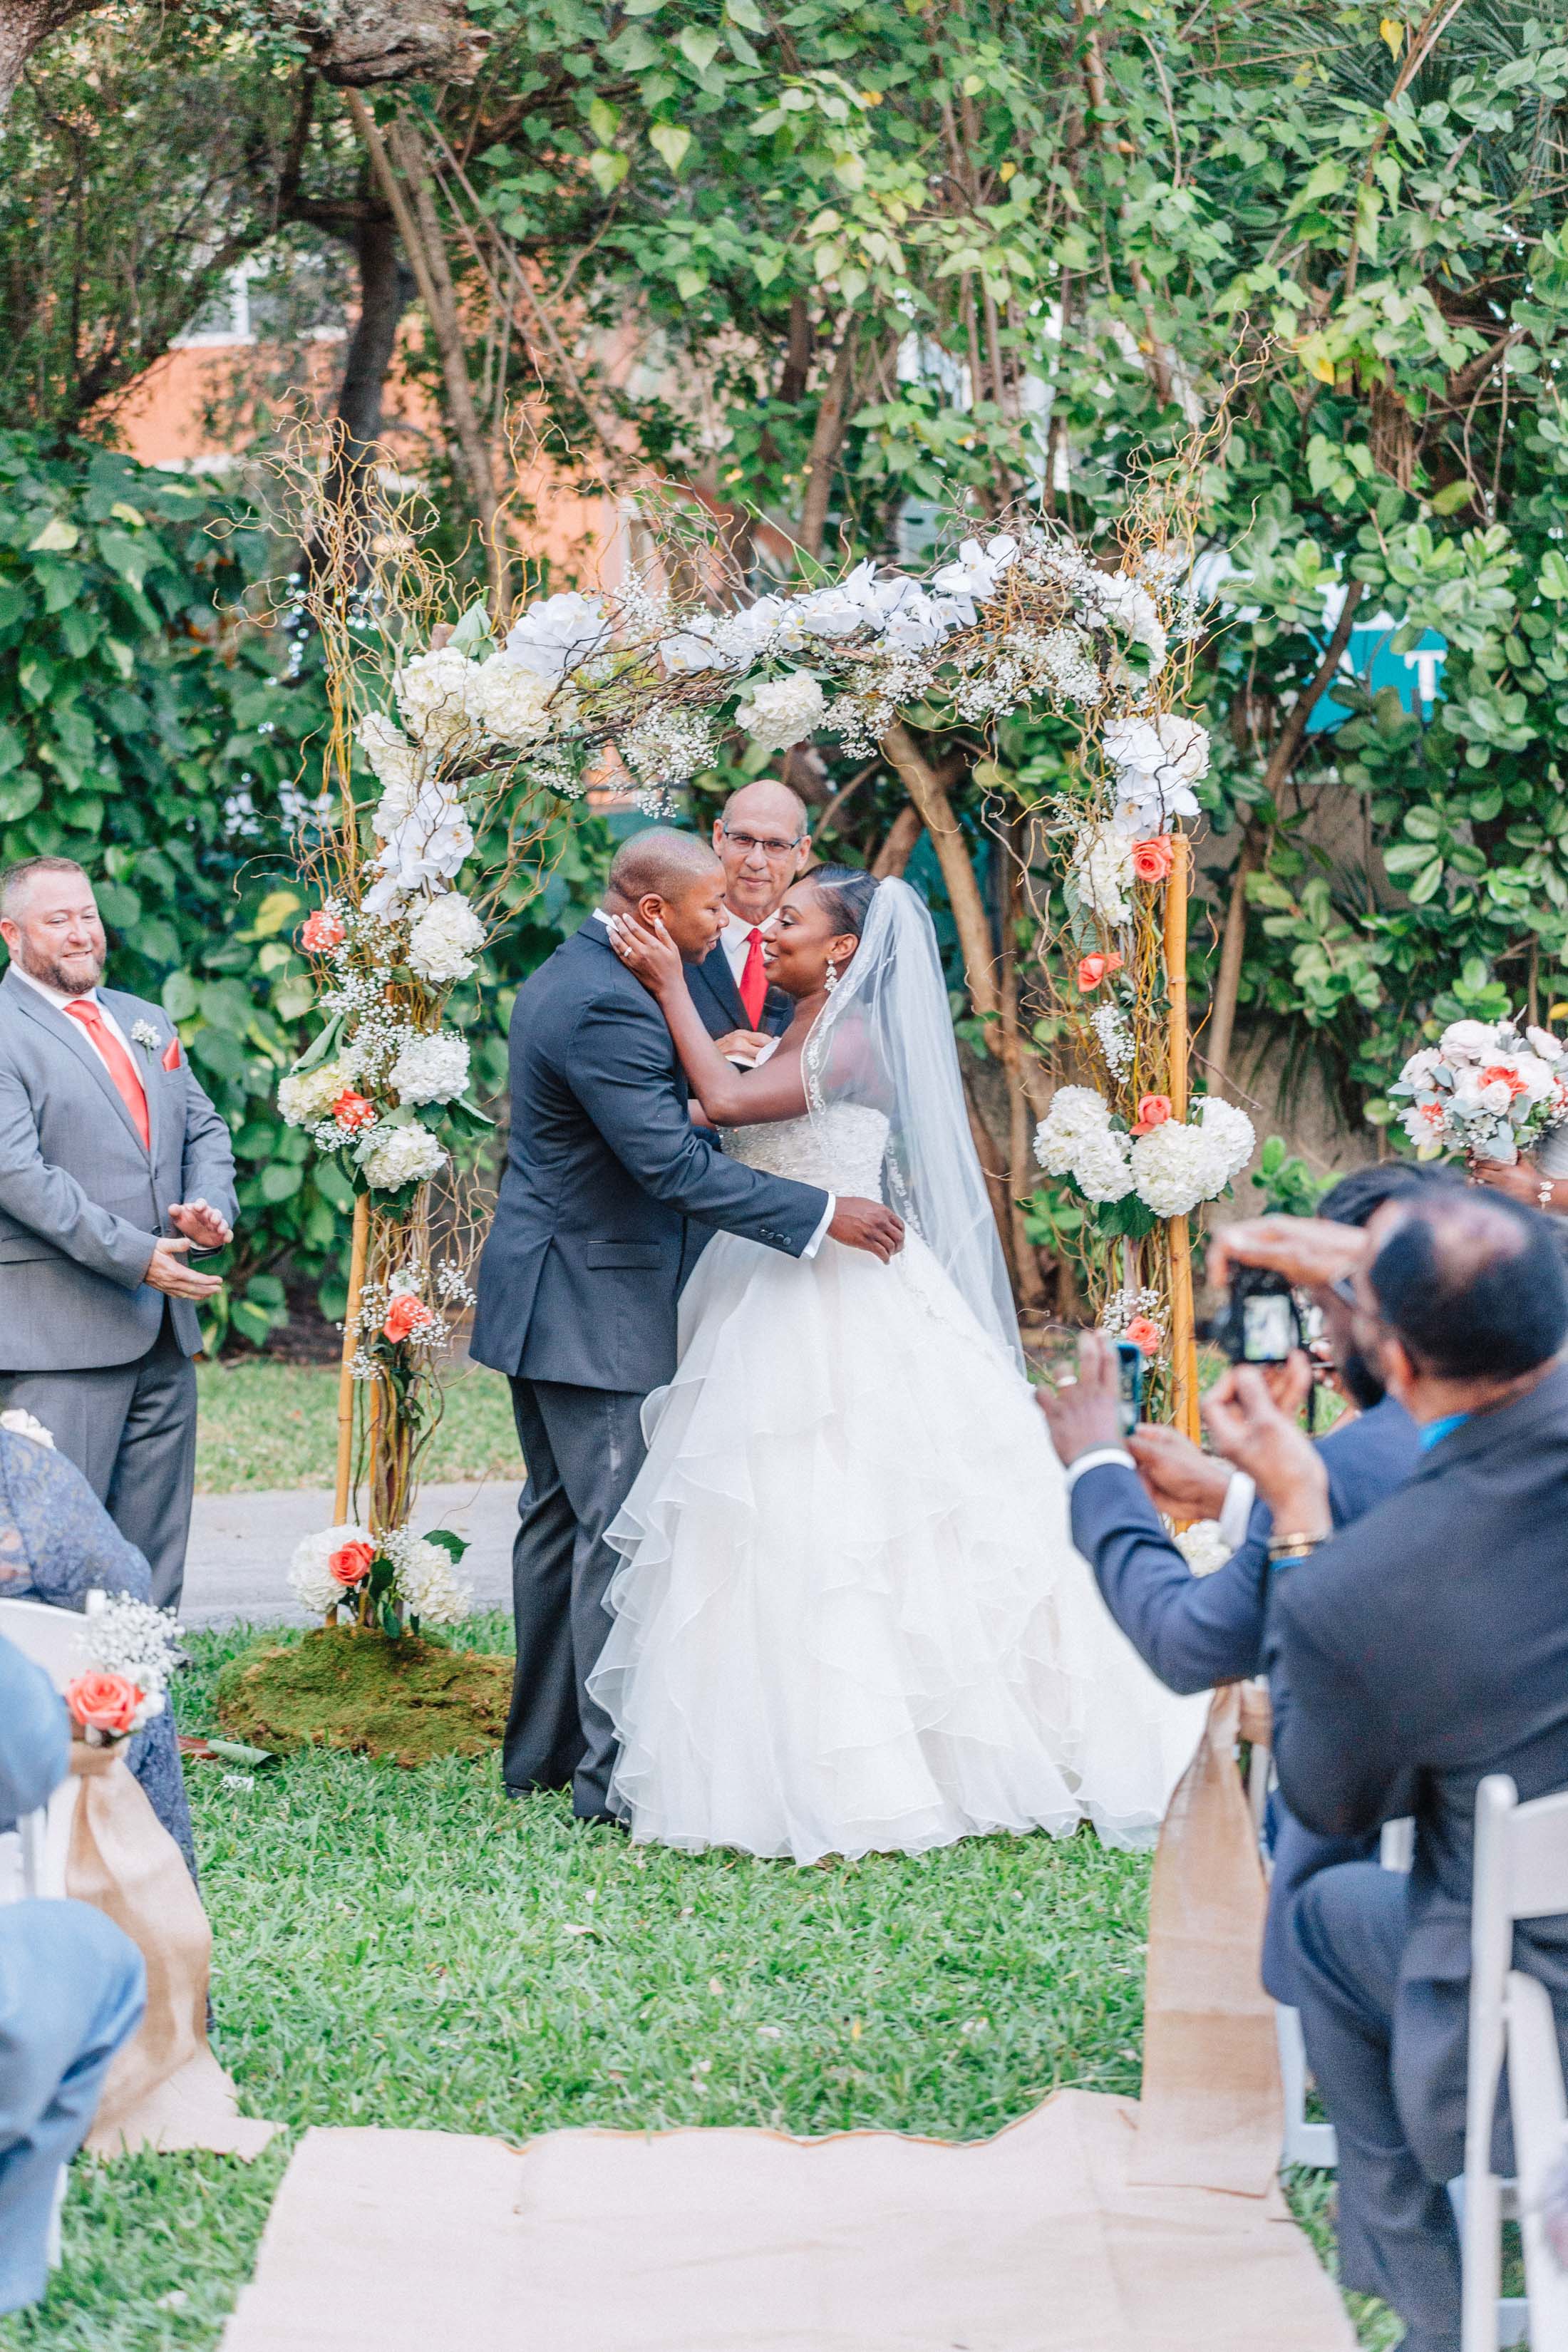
<point x="122" y="1068"/>
<point x="755" y="979"/>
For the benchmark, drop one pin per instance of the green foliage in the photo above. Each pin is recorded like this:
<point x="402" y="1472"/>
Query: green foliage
<point x="1289" y="1187"/>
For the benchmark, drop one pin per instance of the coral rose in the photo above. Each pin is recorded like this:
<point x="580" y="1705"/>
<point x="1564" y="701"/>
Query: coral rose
<point x="1093" y="968"/>
<point x="1153" y="859"/>
<point x="353" y="1111"/>
<point x="1501" y="1075"/>
<point x="107" y="1703"/>
<point x="349" y="1564"/>
<point x="321" y="933"/>
<point x="404" y="1315"/>
<point x="1153" y="1110"/>
<point x="1144" y="1334"/>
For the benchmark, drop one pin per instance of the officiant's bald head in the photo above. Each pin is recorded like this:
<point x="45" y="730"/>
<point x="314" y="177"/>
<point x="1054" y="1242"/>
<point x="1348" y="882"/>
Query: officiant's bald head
<point x="663" y="876"/>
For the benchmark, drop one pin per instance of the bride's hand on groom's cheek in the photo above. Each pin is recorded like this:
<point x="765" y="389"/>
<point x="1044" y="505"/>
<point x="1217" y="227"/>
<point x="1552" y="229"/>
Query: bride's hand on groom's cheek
<point x="651" y="957"/>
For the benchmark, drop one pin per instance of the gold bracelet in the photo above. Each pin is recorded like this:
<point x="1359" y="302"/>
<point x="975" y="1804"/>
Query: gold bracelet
<point x="1296" y="1546"/>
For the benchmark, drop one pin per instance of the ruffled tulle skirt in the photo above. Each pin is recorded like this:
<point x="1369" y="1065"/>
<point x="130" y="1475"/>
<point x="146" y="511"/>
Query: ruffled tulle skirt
<point x="850" y="1618"/>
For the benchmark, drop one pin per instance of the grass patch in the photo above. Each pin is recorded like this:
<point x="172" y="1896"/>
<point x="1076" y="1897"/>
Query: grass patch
<point x="403" y="1947"/>
<point x="264" y="1425"/>
<point x="409" y="1700"/>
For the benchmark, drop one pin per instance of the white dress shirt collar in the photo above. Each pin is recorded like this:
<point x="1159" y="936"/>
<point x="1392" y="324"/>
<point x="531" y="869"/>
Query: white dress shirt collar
<point x="58" y="998"/>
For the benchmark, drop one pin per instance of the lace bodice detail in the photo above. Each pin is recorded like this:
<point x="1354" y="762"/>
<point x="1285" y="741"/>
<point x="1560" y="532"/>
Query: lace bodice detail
<point x="841" y="1150"/>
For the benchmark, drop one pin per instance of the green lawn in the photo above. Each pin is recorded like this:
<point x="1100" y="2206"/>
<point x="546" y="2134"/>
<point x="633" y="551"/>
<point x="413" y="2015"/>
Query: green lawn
<point x="265" y="1425"/>
<point x="411" y="1947"/>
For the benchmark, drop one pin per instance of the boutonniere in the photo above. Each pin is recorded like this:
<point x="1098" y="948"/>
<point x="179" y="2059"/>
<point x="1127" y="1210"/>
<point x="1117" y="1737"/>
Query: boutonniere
<point x="143" y="1033"/>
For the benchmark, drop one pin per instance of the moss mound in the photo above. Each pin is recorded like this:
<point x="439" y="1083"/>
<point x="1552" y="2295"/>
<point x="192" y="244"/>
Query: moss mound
<point x="410" y="1700"/>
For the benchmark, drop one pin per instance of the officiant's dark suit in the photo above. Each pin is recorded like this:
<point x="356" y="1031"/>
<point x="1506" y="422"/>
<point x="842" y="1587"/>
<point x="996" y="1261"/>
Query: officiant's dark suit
<point x="577" y="1291"/>
<point x="718" y="1000"/>
<point x="1423" y="1648"/>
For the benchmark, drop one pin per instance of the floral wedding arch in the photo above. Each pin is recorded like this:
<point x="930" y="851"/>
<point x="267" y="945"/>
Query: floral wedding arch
<point x="477" y="731"/>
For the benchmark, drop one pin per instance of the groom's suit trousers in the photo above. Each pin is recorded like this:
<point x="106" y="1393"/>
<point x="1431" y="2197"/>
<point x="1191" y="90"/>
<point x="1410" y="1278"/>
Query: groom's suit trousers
<point x="584" y="1448"/>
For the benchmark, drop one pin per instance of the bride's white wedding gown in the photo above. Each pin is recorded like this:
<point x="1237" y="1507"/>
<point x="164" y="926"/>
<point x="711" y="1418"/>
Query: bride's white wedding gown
<point x="849" y="1616"/>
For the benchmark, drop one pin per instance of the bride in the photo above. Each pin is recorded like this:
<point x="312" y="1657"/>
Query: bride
<point x="849" y="1617"/>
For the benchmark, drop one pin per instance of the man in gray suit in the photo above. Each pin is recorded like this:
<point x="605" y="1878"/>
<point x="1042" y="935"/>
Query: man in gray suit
<point x="114" y="1167"/>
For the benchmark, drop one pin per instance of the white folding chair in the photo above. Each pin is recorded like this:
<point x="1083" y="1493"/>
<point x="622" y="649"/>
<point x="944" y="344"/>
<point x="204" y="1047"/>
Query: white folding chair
<point x="33" y="1857"/>
<point x="1521" y="1873"/>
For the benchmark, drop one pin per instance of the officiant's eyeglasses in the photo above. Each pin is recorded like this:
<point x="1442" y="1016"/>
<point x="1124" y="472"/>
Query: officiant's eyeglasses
<point x="770" y="847"/>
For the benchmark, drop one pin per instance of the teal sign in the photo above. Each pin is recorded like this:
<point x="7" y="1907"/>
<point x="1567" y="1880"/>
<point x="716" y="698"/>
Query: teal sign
<point x="1415" y="676"/>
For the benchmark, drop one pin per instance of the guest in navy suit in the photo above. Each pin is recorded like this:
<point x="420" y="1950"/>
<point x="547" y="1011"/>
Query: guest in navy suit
<point x="764" y="842"/>
<point x="1195" y="1630"/>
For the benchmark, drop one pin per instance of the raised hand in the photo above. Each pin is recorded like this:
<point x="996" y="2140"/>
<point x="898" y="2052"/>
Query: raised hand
<point x="168" y="1272"/>
<point x="1305" y="1250"/>
<point x="1250" y="1431"/>
<point x="867" y="1225"/>
<point x="1086" y="1411"/>
<point x="201" y="1225"/>
<point x="651" y="956"/>
<point x="1178" y="1476"/>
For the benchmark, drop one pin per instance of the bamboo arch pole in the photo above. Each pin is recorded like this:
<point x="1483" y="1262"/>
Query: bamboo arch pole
<point x="1183" y="1334"/>
<point x="351" y="1341"/>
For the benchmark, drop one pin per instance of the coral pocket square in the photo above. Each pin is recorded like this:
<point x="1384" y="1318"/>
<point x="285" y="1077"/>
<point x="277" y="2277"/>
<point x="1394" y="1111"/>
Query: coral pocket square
<point x="172" y="1055"/>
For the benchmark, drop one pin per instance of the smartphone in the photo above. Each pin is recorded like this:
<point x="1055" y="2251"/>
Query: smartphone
<point x="1130" y="1372"/>
<point x="1260" y="1324"/>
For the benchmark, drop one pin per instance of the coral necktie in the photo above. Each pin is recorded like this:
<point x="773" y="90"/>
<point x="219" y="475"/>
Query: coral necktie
<point x="122" y="1068"/>
<point x="755" y="979"/>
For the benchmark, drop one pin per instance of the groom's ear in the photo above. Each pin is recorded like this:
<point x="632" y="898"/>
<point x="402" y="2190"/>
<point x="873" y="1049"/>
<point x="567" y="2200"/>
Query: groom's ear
<point x="650" y="910"/>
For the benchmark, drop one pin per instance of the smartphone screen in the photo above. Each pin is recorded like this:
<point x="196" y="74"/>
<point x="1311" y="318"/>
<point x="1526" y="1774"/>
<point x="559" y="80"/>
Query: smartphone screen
<point x="1268" y="1328"/>
<point x="1130" y="1366"/>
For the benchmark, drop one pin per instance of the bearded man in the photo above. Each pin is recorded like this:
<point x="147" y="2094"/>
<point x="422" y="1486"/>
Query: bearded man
<point x="114" y="1167"/>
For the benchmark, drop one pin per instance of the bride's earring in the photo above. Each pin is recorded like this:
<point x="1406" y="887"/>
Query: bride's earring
<point x="830" y="978"/>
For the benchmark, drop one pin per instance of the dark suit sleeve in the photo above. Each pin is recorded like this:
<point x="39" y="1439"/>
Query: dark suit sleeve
<point x="1191" y="1631"/>
<point x="618" y="1068"/>
<point x="1336" y="1739"/>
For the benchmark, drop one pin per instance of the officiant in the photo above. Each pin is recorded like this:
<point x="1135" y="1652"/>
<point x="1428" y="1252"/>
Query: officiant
<point x="763" y="841"/>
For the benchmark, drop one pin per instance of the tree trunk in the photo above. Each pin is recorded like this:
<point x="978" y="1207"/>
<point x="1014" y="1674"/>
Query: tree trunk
<point x="1029" y="1288"/>
<point x="1215" y="1051"/>
<point x="386" y="289"/>
<point x="825" y="443"/>
<point x="900" y="845"/>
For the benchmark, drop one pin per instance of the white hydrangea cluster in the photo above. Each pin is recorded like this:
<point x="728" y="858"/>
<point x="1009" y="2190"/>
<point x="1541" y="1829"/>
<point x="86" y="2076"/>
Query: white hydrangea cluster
<point x="782" y="711"/>
<point x="1076" y="1138"/>
<point x="445" y="939"/>
<point x="517" y="705"/>
<point x="440" y="694"/>
<point x="426" y="1580"/>
<point x="1156" y="763"/>
<point x="433" y="1068"/>
<point x="1102" y="870"/>
<point x="397" y="765"/>
<point x="1114" y="1037"/>
<point x="391" y="1156"/>
<point x="310" y="1581"/>
<point x="1174" y="1166"/>
<point x="305" y="1096"/>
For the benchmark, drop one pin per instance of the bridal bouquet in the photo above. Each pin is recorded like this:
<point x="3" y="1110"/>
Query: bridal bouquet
<point x="1166" y="1166"/>
<point x="131" y="1650"/>
<point x="383" y="1578"/>
<point x="1487" y="1088"/>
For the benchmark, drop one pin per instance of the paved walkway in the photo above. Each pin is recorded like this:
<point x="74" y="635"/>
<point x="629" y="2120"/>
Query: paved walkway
<point x="237" y="1566"/>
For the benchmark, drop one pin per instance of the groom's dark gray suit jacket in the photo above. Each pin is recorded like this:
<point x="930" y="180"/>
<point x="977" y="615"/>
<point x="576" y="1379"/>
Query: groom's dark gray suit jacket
<point x="584" y="1259"/>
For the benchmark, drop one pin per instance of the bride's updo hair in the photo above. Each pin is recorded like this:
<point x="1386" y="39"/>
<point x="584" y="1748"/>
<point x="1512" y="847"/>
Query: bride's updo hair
<point x="846" y="892"/>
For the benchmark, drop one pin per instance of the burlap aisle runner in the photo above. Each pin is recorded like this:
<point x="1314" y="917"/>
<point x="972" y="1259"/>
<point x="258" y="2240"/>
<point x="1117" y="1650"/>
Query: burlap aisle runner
<point x="165" y="2090"/>
<point x="1211" y="2114"/>
<point x="1085" y="2228"/>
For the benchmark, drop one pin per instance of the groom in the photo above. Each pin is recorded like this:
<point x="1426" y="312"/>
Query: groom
<point x="581" y="1272"/>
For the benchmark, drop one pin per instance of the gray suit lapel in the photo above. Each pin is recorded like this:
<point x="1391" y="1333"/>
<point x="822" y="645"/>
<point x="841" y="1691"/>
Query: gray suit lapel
<point x="71" y="1033"/>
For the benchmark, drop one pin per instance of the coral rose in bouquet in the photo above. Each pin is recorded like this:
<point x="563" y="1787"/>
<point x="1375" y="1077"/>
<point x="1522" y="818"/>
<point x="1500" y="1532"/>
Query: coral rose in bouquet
<point x="1489" y="1089"/>
<point x="131" y="1650"/>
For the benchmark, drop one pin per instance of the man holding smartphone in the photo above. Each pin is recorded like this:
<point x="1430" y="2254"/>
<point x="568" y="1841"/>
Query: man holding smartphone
<point x="1193" y="1631"/>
